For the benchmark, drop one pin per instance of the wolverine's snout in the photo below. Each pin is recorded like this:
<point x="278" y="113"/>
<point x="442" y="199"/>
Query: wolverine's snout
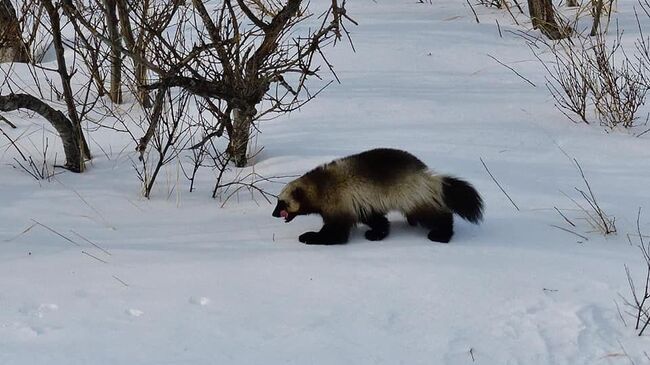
<point x="281" y="211"/>
<point x="278" y="208"/>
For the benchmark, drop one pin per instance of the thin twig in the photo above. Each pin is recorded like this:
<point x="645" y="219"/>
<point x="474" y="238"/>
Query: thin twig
<point x="563" y="216"/>
<point x="55" y="232"/>
<point x="473" y="11"/>
<point x="570" y="231"/>
<point x="21" y="233"/>
<point x="13" y="143"/>
<point x="101" y="216"/>
<point x="608" y="225"/>
<point x="625" y="352"/>
<point x="499" y="185"/>
<point x="505" y="5"/>
<point x="3" y="119"/>
<point x="121" y="281"/>
<point x="620" y="315"/>
<point x="92" y="243"/>
<point x="513" y="70"/>
<point x="93" y="256"/>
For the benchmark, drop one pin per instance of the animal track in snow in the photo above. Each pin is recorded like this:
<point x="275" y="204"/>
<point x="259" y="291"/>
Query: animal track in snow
<point x="202" y="301"/>
<point x="134" y="312"/>
<point x="23" y="331"/>
<point x="49" y="307"/>
<point x="40" y="311"/>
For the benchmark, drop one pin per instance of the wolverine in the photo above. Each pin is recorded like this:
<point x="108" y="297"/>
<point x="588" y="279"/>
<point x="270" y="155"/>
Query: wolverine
<point x="363" y="188"/>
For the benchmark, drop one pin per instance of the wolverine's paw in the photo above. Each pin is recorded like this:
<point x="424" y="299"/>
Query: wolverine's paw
<point x="375" y="235"/>
<point x="438" y="236"/>
<point x="309" y="238"/>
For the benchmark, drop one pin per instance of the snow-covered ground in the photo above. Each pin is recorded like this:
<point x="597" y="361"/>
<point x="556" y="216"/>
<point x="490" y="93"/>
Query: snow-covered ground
<point x="179" y="279"/>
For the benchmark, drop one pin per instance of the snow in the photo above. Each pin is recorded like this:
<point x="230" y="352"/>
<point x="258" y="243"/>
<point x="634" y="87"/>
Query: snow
<point x="182" y="278"/>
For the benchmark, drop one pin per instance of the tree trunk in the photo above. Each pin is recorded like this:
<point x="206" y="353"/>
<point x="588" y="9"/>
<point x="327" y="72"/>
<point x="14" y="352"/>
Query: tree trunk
<point x="136" y="47"/>
<point x="241" y="127"/>
<point x="141" y="78"/>
<point x="12" y="47"/>
<point x="596" y="11"/>
<point x="543" y="18"/>
<point x="62" y="69"/>
<point x="154" y="120"/>
<point x="67" y="132"/>
<point x="115" y="92"/>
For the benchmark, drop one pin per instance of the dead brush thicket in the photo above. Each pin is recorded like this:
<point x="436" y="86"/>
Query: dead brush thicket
<point x="239" y="62"/>
<point x="593" y="79"/>
<point x="590" y="75"/>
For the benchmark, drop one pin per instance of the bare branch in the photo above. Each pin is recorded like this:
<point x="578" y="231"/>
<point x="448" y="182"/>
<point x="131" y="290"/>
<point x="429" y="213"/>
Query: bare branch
<point x="58" y="120"/>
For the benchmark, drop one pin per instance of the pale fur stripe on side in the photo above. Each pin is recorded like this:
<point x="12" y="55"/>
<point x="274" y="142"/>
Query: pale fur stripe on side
<point x="352" y="195"/>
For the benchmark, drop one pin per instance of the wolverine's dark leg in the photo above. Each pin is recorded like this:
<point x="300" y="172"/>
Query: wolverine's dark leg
<point x="379" y="227"/>
<point x="334" y="232"/>
<point x="412" y="220"/>
<point x="440" y="224"/>
<point x="443" y="228"/>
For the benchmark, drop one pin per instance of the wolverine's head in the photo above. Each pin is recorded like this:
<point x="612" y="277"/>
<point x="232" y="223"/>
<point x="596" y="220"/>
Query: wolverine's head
<point x="293" y="201"/>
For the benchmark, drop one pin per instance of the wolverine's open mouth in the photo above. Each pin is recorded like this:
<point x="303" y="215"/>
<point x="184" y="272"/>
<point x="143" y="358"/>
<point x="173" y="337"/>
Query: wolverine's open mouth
<point x="280" y="211"/>
<point x="288" y="217"/>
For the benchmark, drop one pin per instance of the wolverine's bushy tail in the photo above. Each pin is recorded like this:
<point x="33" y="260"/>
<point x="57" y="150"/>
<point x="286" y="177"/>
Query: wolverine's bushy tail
<point x="461" y="197"/>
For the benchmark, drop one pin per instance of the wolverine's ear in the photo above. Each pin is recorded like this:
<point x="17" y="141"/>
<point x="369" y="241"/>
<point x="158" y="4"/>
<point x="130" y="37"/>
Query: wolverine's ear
<point x="298" y="194"/>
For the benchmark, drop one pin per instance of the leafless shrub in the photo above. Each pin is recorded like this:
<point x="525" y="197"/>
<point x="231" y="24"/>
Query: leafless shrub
<point x="78" y="102"/>
<point x="639" y="304"/>
<point x="618" y="88"/>
<point x="249" y="182"/>
<point x="593" y="78"/>
<point x="236" y="61"/>
<point x="248" y="58"/>
<point x="569" y="77"/>
<point x="175" y="140"/>
<point x="34" y="164"/>
<point x="590" y="77"/>
<point x="199" y="152"/>
<point x="91" y="50"/>
<point x="591" y="210"/>
<point x="170" y="138"/>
